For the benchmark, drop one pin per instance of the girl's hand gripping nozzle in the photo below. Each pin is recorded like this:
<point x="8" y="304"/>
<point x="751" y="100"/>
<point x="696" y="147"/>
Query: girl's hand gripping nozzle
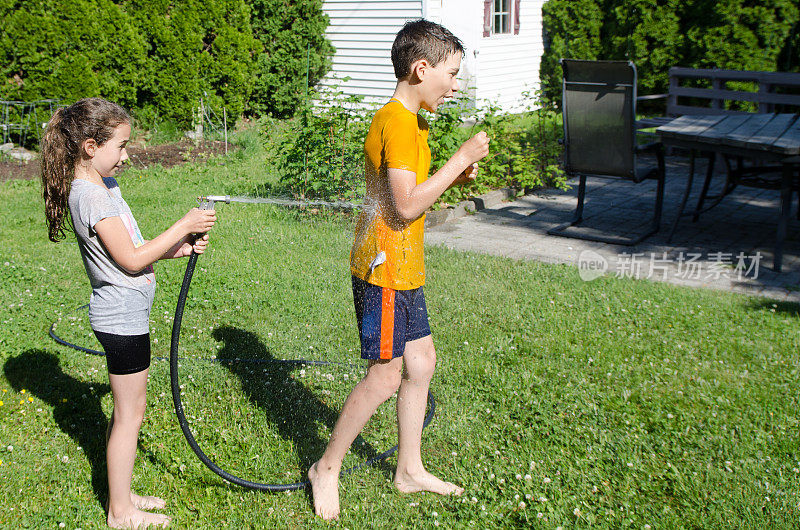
<point x="207" y="203"/>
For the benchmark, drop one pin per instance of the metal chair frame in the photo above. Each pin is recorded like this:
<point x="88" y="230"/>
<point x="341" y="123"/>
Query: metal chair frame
<point x="616" y="158"/>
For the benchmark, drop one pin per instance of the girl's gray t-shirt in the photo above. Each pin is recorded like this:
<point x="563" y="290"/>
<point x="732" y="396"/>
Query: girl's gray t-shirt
<point x="120" y="302"/>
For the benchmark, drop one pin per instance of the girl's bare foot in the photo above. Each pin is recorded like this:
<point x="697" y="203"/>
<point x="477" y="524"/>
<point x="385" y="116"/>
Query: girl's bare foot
<point x="424" y="481"/>
<point x="136" y="518"/>
<point x="325" y="490"/>
<point x="147" y="502"/>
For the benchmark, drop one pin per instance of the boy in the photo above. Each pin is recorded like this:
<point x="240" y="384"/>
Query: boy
<point x="387" y="263"/>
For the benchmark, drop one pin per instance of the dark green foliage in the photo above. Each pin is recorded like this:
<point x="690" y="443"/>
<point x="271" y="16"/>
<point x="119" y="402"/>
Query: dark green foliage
<point x="657" y="34"/>
<point x="160" y="57"/>
<point x="789" y="59"/>
<point x="741" y="34"/>
<point x="293" y="38"/>
<point x="322" y="156"/>
<point x="69" y="49"/>
<point x="656" y="40"/>
<point x="196" y="49"/>
<point x="572" y="29"/>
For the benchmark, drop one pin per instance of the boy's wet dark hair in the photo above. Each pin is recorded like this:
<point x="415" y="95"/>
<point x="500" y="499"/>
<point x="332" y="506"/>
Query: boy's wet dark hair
<point x="422" y="39"/>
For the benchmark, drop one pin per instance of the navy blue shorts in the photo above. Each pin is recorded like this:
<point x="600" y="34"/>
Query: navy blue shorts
<point x="388" y="319"/>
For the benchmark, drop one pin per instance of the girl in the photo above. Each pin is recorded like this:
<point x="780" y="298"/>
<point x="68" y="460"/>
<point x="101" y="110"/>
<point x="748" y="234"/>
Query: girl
<point x="82" y="150"/>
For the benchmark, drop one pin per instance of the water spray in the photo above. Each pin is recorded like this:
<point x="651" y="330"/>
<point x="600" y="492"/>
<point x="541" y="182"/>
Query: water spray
<point x="207" y="202"/>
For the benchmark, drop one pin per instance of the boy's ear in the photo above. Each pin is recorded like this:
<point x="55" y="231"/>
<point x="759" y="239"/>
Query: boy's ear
<point x="419" y="69"/>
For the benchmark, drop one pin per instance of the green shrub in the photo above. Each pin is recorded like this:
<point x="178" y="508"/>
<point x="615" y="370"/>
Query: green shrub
<point x="571" y="29"/>
<point x="295" y="52"/>
<point x="657" y="34"/>
<point x="195" y="50"/>
<point x="69" y="49"/>
<point x="322" y="155"/>
<point x="648" y="32"/>
<point x="159" y="57"/>
<point x="524" y="152"/>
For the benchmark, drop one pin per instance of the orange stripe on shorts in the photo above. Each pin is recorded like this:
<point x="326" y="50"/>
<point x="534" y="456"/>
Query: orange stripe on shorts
<point x="387" y="322"/>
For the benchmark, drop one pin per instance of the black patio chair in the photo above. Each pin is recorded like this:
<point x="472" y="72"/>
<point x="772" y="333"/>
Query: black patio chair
<point x="599" y="111"/>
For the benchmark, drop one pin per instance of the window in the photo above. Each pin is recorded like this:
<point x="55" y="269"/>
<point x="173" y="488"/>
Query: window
<point x="500" y="17"/>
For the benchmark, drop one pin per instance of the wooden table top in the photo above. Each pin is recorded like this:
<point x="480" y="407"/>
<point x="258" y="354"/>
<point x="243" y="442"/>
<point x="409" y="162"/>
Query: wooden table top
<point x="776" y="134"/>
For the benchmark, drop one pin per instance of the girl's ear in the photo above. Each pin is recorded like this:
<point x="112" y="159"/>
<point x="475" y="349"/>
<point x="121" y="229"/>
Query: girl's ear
<point x="89" y="147"/>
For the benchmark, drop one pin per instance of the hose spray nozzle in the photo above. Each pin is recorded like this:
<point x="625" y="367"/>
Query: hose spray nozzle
<point x="207" y="202"/>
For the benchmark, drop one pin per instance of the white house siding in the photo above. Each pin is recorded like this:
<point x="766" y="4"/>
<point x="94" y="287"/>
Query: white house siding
<point x="496" y="69"/>
<point x="508" y="65"/>
<point x="362" y="33"/>
<point x="432" y="10"/>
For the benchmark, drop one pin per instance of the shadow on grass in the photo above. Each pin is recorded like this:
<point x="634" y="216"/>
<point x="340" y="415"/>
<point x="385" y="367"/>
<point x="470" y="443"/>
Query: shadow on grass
<point x="291" y="408"/>
<point x="788" y="308"/>
<point x="76" y="406"/>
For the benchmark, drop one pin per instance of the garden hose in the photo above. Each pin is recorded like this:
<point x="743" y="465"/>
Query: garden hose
<point x="208" y="203"/>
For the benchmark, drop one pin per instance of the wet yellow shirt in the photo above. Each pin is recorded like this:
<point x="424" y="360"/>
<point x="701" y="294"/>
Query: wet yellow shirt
<point x="397" y="139"/>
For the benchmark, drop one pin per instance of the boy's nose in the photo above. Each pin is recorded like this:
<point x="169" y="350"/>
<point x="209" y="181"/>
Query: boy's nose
<point x="124" y="156"/>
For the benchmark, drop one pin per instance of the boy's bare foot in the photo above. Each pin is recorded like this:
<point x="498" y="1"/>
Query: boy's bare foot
<point x="136" y="518"/>
<point x="424" y="481"/>
<point x="325" y="490"/>
<point x="147" y="502"/>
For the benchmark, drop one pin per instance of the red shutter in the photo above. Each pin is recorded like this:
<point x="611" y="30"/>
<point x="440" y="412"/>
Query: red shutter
<point x="516" y="17"/>
<point x="487" y="18"/>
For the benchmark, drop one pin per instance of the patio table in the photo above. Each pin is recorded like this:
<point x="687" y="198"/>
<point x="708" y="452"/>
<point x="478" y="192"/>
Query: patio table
<point x="764" y="138"/>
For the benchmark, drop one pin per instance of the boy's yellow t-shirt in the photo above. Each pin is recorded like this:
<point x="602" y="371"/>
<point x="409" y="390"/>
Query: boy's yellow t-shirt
<point x="397" y="139"/>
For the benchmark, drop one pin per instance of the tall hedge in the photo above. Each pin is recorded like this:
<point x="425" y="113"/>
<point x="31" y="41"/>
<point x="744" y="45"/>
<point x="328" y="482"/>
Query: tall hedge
<point x="69" y="49"/>
<point x="571" y="29"/>
<point x="657" y="34"/>
<point x="294" y="46"/>
<point x="160" y="57"/>
<point x="195" y="49"/>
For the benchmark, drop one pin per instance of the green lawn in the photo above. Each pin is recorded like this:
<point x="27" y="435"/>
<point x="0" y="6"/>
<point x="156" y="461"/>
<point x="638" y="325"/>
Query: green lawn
<point x="560" y="403"/>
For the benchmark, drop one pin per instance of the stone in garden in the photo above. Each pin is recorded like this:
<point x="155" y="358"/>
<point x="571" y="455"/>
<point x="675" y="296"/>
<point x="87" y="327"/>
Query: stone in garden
<point x="20" y="153"/>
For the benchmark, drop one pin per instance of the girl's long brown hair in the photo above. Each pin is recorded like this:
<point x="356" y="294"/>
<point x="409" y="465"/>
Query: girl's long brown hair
<point x="63" y="139"/>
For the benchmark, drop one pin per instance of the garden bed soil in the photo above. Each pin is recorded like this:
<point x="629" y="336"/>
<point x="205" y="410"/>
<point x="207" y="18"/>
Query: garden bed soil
<point x="141" y="156"/>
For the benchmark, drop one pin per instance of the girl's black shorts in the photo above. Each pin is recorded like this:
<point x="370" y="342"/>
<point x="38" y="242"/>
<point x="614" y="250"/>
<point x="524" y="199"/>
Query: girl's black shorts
<point x="125" y="354"/>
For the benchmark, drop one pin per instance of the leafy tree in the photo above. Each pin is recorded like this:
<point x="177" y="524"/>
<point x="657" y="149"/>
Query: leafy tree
<point x="292" y="34"/>
<point x="739" y="34"/>
<point x="195" y="49"/>
<point x="647" y="32"/>
<point x="572" y="30"/>
<point x="160" y="57"/>
<point x="657" y="34"/>
<point x="69" y="49"/>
